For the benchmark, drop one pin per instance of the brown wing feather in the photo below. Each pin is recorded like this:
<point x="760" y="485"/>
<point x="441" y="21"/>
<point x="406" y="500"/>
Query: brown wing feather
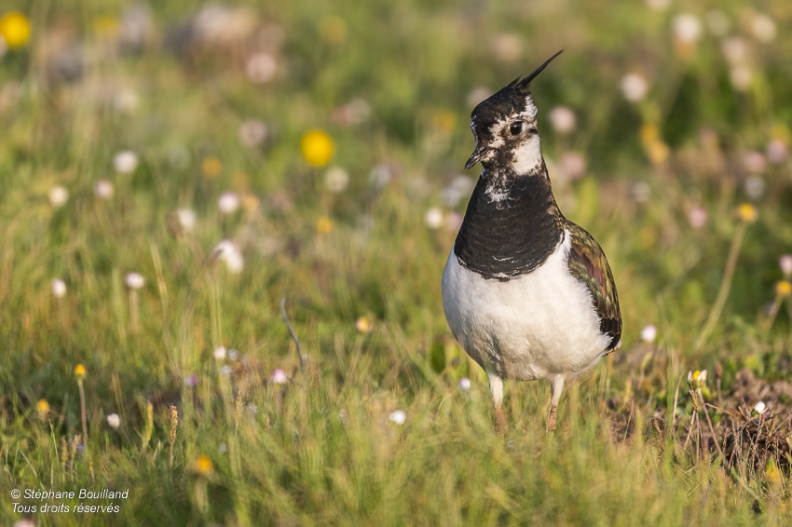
<point x="587" y="263"/>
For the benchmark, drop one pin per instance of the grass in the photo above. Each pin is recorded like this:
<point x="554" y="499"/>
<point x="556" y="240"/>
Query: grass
<point x="359" y="269"/>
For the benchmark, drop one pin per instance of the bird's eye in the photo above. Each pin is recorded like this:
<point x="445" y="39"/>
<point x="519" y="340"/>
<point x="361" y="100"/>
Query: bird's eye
<point x="516" y="127"/>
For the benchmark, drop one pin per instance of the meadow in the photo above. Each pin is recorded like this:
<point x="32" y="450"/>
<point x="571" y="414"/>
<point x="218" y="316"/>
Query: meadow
<point x="223" y="230"/>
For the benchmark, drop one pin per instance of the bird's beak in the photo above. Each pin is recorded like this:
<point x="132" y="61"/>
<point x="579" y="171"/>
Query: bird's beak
<point x="480" y="151"/>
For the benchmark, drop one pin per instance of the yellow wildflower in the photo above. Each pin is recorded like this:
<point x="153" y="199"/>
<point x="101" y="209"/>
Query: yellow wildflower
<point x="42" y="408"/>
<point x="747" y="213"/>
<point x="655" y="148"/>
<point x="784" y="288"/>
<point x="203" y="465"/>
<point x="15" y="29"/>
<point x="250" y="202"/>
<point x="657" y="152"/>
<point x="697" y="379"/>
<point x="363" y="325"/>
<point x="317" y="148"/>
<point x="211" y="167"/>
<point x="773" y="475"/>
<point x="649" y="133"/>
<point x="79" y="372"/>
<point x="324" y="225"/>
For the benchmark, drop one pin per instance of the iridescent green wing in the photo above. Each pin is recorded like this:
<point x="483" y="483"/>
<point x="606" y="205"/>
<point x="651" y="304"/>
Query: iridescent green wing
<point x="588" y="264"/>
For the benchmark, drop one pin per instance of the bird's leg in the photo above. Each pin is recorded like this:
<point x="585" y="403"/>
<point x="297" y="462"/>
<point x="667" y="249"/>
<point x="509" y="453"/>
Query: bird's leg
<point x="556" y="387"/>
<point x="496" y="388"/>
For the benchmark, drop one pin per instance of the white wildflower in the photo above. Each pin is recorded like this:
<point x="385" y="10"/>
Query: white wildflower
<point x="186" y="218"/>
<point x="697" y="216"/>
<point x="398" y="417"/>
<point x="634" y="87"/>
<point x="754" y="187"/>
<point x="763" y="28"/>
<point x="58" y="196"/>
<point x="562" y="119"/>
<point x="113" y="420"/>
<point x="261" y="68"/>
<point x="785" y="263"/>
<point x="735" y="50"/>
<point x="572" y="165"/>
<point x="433" y="218"/>
<point x="649" y="333"/>
<point x="134" y="280"/>
<point x="777" y="151"/>
<point x="336" y="179"/>
<point x="58" y="288"/>
<point x="125" y="161"/>
<point x="279" y="377"/>
<point x="253" y="133"/>
<point x="103" y="189"/>
<point x="687" y="28"/>
<point x="229" y="253"/>
<point x="741" y="77"/>
<point x="754" y="162"/>
<point x="228" y="202"/>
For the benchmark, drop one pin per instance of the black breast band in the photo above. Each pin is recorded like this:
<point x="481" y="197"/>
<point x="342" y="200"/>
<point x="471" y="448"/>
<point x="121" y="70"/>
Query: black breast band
<point x="513" y="236"/>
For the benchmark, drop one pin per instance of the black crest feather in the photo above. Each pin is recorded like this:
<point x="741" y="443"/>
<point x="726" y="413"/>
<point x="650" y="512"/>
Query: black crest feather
<point x="522" y="83"/>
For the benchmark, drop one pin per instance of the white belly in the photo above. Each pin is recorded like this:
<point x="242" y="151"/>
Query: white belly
<point x="534" y="326"/>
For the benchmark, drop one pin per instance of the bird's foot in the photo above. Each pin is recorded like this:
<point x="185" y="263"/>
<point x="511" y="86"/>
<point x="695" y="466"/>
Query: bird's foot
<point x="501" y="425"/>
<point x="551" y="420"/>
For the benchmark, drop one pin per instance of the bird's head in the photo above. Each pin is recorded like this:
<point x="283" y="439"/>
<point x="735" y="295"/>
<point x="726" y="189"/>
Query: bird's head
<point x="504" y="126"/>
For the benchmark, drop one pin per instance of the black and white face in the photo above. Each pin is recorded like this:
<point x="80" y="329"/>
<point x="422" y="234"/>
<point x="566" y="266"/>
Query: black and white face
<point x="506" y="134"/>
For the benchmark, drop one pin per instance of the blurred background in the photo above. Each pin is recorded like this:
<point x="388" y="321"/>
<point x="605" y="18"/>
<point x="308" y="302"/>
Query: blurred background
<point x="657" y="121"/>
<point x="283" y="125"/>
<point x="171" y="170"/>
<point x="321" y="149"/>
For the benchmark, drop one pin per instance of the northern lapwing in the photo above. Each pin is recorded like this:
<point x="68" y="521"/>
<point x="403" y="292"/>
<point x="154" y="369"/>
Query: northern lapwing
<point x="527" y="293"/>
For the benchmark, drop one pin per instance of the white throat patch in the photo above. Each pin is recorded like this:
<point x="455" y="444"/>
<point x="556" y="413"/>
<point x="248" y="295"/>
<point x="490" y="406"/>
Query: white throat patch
<point x="528" y="157"/>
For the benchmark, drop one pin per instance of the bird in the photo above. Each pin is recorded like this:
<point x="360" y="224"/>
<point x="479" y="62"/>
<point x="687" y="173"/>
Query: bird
<point x="527" y="293"/>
